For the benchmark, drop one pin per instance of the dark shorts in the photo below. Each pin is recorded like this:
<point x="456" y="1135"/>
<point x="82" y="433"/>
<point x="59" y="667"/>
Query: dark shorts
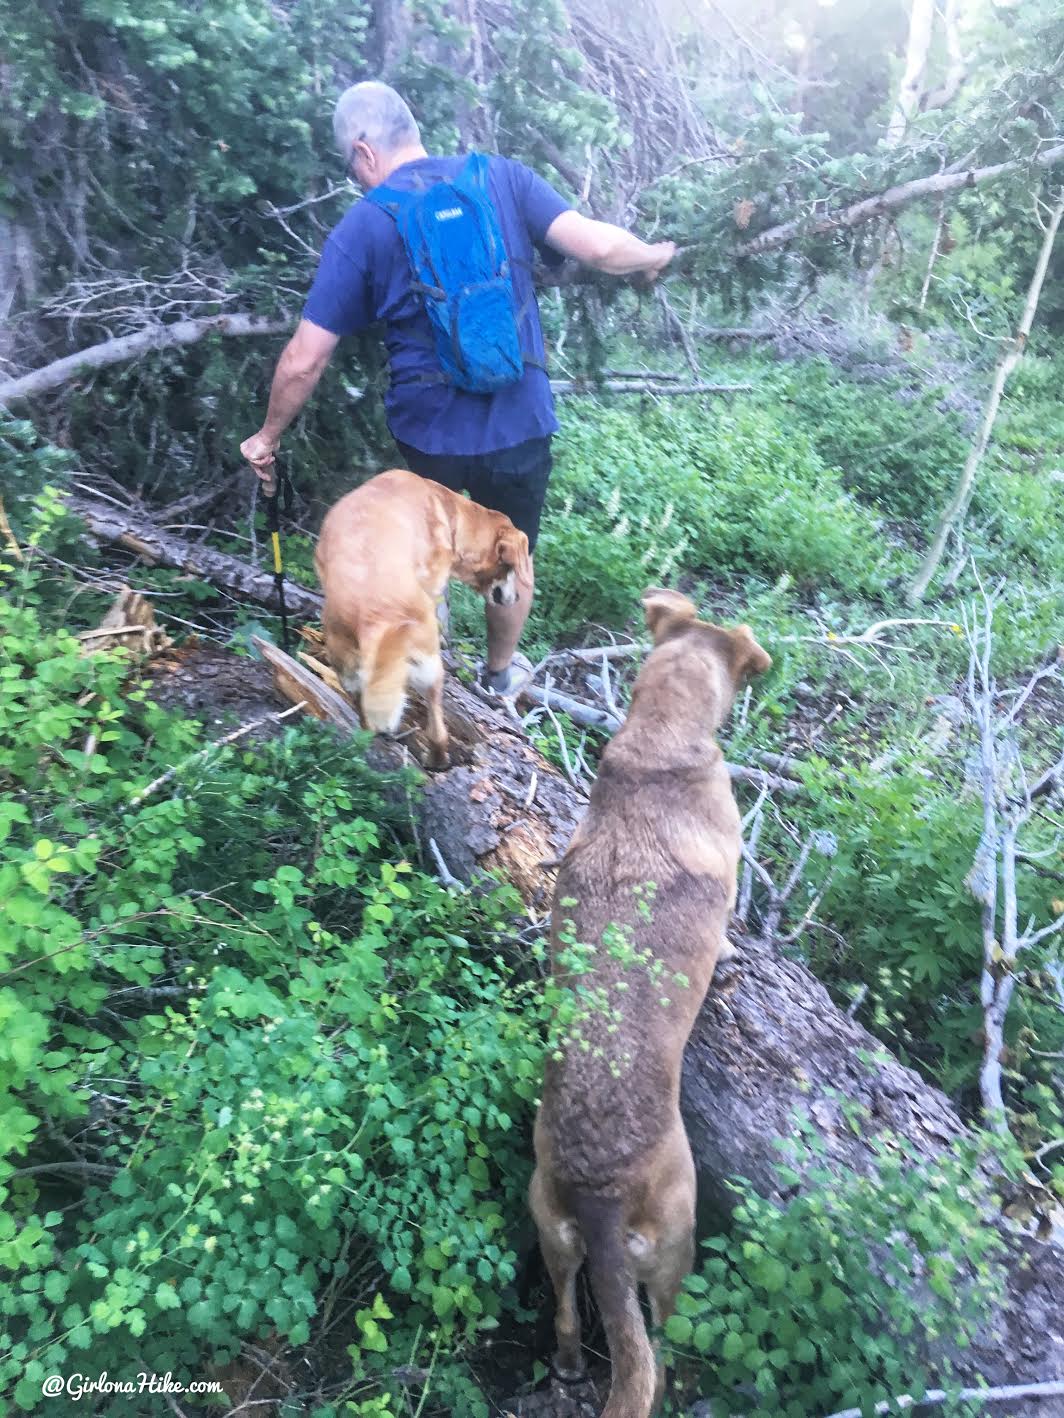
<point x="513" y="480"/>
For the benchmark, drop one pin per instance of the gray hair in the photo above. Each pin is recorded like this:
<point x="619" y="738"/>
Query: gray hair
<point x="373" y="113"/>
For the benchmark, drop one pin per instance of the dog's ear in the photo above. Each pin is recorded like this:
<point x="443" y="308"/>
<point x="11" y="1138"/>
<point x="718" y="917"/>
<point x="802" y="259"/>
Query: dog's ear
<point x="747" y="657"/>
<point x="666" y="611"/>
<point x="511" y="549"/>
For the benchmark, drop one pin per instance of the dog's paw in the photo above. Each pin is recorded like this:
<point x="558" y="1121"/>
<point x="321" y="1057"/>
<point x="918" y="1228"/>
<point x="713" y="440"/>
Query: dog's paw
<point x="437" y="759"/>
<point x="567" y="1374"/>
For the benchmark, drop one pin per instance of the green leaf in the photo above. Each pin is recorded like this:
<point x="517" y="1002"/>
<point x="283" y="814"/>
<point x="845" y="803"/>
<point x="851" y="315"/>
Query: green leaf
<point x="678" y="1329"/>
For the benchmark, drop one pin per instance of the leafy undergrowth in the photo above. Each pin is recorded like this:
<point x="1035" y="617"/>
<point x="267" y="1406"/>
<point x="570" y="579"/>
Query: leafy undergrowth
<point x="294" y="1073"/>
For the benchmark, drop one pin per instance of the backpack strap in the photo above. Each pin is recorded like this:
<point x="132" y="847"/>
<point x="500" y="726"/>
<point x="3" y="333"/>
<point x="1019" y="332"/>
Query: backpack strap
<point x="471" y="180"/>
<point x="474" y="175"/>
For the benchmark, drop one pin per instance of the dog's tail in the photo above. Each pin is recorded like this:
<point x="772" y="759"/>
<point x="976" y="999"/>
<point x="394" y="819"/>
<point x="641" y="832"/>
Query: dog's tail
<point x="634" y="1380"/>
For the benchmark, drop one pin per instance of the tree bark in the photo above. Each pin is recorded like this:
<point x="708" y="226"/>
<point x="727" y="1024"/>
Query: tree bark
<point x="1010" y="357"/>
<point x="391" y="21"/>
<point x="957" y="66"/>
<point x="123" y="347"/>
<point x="769" y="1043"/>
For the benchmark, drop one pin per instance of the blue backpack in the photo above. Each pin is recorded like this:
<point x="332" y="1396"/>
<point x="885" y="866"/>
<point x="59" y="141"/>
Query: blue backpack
<point x="459" y="266"/>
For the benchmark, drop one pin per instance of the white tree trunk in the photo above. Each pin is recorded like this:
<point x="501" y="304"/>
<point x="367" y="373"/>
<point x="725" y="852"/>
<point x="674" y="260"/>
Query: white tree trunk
<point x="933" y="257"/>
<point x="921" y="20"/>
<point x="957" y="67"/>
<point x="1010" y="357"/>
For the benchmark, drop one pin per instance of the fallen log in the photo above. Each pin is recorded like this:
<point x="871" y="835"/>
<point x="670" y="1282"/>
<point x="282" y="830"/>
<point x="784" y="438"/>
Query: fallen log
<point x="123" y="347"/>
<point x="563" y="388"/>
<point x="499" y="807"/>
<point x="770" y="1044"/>
<point x="134" y="530"/>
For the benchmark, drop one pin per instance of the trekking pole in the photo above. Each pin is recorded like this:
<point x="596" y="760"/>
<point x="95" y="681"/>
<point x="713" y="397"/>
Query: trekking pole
<point x="282" y="488"/>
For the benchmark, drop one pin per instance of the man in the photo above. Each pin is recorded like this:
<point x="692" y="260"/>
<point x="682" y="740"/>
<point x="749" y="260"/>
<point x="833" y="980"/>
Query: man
<point x="494" y="446"/>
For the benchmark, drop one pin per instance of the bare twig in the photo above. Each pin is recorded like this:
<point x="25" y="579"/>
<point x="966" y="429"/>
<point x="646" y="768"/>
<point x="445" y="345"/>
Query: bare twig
<point x="88" y="1169"/>
<point x="586" y="715"/>
<point x="894" y="199"/>
<point x="955" y="509"/>
<point x="443" y="870"/>
<point x="240" y="733"/>
<point x="1007" y="807"/>
<point x="345" y="188"/>
<point x="1052" y="1389"/>
<point x="570" y="773"/>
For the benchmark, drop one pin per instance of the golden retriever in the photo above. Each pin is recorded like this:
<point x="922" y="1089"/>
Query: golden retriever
<point x="384" y="556"/>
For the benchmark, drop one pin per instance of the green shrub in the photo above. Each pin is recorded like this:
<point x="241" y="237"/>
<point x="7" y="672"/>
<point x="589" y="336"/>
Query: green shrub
<point x="641" y="496"/>
<point x="895" y="447"/>
<point x="292" y="1066"/>
<point x="831" y="1299"/>
<point x="905" y="929"/>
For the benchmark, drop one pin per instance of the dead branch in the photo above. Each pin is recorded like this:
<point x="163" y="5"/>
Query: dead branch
<point x="124" y="347"/>
<point x="1007" y="807"/>
<point x="680" y="330"/>
<point x="245" y="729"/>
<point x="1010" y="356"/>
<point x="567" y="387"/>
<point x="586" y="715"/>
<point x="136" y="532"/>
<point x="968" y="1395"/>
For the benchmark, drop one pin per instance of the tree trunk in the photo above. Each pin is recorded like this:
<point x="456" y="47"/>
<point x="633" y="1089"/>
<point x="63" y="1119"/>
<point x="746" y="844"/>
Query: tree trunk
<point x="957" y="67"/>
<point x="921" y="19"/>
<point x="1010" y="357"/>
<point x="391" y="22"/>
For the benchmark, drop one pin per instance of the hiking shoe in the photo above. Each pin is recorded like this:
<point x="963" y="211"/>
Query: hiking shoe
<point x="508" y="682"/>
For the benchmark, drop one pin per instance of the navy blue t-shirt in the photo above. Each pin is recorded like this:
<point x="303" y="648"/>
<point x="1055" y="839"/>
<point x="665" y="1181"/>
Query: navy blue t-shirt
<point x="364" y="276"/>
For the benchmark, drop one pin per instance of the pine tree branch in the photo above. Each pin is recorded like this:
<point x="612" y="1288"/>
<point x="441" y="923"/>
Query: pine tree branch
<point x="892" y="200"/>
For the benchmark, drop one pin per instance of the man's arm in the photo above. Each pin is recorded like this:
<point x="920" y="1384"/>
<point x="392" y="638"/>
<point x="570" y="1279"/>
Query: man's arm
<point x="301" y="365"/>
<point x="607" y="248"/>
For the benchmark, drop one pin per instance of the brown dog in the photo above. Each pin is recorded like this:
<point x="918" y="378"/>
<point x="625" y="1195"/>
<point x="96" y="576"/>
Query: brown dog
<point x="648" y="882"/>
<point x="385" y="554"/>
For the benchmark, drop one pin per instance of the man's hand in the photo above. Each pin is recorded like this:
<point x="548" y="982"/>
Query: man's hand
<point x="259" y="450"/>
<point x="298" y="370"/>
<point x="662" y="253"/>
